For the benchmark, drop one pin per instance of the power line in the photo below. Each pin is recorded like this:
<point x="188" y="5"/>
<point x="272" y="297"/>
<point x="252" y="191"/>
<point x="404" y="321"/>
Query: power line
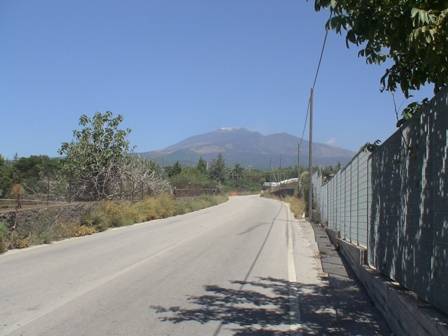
<point x="305" y="123"/>
<point x="322" y="50"/>
<point x="309" y="114"/>
<point x="321" y="56"/>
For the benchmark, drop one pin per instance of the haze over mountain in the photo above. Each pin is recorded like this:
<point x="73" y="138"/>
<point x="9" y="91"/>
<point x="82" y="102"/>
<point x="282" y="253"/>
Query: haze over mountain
<point x="249" y="148"/>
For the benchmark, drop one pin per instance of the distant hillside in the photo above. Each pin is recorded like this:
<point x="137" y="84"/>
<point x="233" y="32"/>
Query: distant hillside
<point x="249" y="148"/>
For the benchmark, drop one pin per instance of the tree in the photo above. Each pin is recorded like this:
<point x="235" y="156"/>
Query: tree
<point x="237" y="173"/>
<point x="142" y="177"/>
<point x="410" y="35"/>
<point x="94" y="159"/>
<point x="202" y="166"/>
<point x="176" y="169"/>
<point x="218" y="169"/>
<point x="35" y="172"/>
<point x="5" y="177"/>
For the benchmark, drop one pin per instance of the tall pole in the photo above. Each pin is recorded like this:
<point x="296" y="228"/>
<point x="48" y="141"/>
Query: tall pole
<point x="310" y="159"/>
<point x="298" y="158"/>
<point x="298" y="165"/>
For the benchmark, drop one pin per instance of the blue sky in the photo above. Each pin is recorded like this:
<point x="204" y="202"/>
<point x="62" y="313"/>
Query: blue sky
<point x="175" y="68"/>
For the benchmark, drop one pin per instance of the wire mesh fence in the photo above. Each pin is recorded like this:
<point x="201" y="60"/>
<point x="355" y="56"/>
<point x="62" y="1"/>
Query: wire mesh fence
<point x="394" y="202"/>
<point x="343" y="200"/>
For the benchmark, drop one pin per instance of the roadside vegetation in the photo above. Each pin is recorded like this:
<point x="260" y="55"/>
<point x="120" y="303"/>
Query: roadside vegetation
<point x="103" y="185"/>
<point x="297" y="204"/>
<point x="297" y="195"/>
<point x="102" y="215"/>
<point x="114" y="214"/>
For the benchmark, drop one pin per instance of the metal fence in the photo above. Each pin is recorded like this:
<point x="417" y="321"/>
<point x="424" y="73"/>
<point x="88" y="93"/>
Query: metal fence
<point x="394" y="202"/>
<point x="343" y="201"/>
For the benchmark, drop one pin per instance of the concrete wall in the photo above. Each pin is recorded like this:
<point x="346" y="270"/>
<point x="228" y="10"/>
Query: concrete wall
<point x="408" y="236"/>
<point x="404" y="312"/>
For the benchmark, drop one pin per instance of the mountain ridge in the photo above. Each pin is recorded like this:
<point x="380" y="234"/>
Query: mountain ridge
<point x="248" y="148"/>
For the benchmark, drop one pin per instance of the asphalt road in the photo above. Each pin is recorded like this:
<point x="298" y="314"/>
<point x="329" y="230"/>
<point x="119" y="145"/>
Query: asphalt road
<point x="239" y="268"/>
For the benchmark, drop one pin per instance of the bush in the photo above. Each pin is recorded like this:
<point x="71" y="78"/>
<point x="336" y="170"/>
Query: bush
<point x="100" y="217"/>
<point x="3" y="237"/>
<point x="297" y="205"/>
<point x="45" y="237"/>
<point x="83" y="230"/>
<point x="19" y="242"/>
<point x="110" y="214"/>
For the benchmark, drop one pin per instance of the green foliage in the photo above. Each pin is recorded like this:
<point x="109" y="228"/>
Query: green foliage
<point x="32" y="173"/>
<point x="3" y="237"/>
<point x="237" y="174"/>
<point x="192" y="178"/>
<point x="110" y="214"/>
<point x="410" y="35"/>
<point x="93" y="160"/>
<point x="218" y="169"/>
<point x="202" y="166"/>
<point x="33" y="168"/>
<point x="176" y="169"/>
<point x="5" y="177"/>
<point x="118" y="213"/>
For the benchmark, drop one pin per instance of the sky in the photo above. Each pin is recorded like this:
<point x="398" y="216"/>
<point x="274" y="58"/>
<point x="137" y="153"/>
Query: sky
<point x="176" y="68"/>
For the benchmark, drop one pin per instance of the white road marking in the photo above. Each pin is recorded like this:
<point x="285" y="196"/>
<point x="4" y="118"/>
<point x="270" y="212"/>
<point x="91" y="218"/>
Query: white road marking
<point x="294" y="303"/>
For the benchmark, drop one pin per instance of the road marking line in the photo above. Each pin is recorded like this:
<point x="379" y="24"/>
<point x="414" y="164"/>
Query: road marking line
<point x="295" y="325"/>
<point x="252" y="266"/>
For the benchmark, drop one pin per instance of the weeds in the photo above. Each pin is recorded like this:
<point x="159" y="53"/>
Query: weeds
<point x="296" y="204"/>
<point x="113" y="214"/>
<point x="3" y="236"/>
<point x="47" y="227"/>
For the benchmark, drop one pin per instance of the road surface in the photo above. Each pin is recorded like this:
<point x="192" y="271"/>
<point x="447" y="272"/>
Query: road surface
<point x="245" y="267"/>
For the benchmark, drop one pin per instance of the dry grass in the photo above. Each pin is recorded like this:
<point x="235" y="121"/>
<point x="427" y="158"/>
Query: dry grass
<point x="102" y="216"/>
<point x="296" y="204"/>
<point x="113" y="214"/>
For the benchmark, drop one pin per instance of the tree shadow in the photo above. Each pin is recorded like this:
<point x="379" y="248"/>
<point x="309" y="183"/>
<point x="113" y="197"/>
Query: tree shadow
<point x="408" y="238"/>
<point x="263" y="307"/>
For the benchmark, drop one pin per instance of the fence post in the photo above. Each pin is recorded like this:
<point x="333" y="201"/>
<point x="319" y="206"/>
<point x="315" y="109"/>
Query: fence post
<point x="357" y="203"/>
<point x="367" y="213"/>
<point x="326" y="207"/>
<point x="337" y="202"/>
<point x="351" y="200"/>
<point x="345" y="204"/>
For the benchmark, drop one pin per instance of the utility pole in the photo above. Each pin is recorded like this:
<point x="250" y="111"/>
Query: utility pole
<point x="280" y="170"/>
<point x="310" y="159"/>
<point x="298" y="167"/>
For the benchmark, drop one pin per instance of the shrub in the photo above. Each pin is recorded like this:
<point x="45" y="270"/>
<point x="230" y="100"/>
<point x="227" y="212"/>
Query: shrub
<point x="21" y="242"/>
<point x="45" y="237"/>
<point x="83" y="230"/>
<point x="100" y="217"/>
<point x="297" y="205"/>
<point x="3" y="237"/>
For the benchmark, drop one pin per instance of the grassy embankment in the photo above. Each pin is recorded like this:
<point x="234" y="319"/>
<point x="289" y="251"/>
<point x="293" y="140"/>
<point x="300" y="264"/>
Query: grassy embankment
<point x="102" y="216"/>
<point x="296" y="204"/>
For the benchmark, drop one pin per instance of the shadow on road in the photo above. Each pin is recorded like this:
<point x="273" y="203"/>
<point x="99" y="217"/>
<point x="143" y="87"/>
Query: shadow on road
<point x="262" y="307"/>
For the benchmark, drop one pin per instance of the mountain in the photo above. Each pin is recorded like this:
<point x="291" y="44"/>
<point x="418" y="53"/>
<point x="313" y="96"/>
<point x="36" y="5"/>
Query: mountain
<point x="249" y="148"/>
